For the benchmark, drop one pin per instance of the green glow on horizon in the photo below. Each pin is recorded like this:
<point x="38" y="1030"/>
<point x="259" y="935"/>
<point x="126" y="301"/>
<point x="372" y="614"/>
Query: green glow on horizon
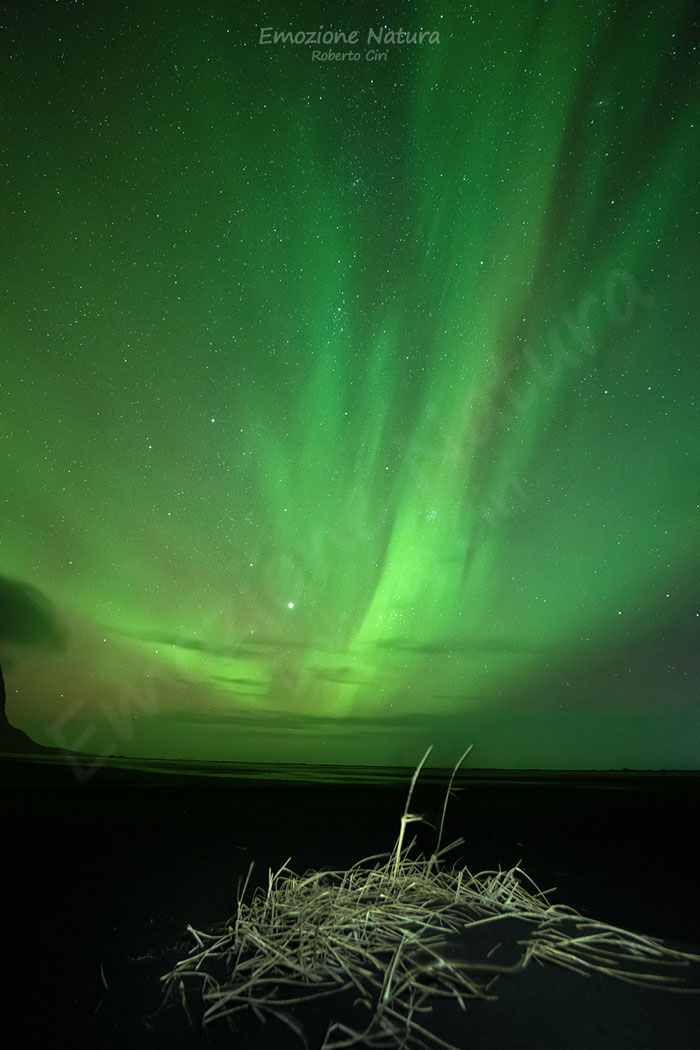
<point x="337" y="395"/>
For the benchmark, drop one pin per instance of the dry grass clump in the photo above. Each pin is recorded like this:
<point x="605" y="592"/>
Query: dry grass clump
<point x="385" y="930"/>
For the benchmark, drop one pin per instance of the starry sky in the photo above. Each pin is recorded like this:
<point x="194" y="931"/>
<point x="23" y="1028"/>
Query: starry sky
<point x="351" y="405"/>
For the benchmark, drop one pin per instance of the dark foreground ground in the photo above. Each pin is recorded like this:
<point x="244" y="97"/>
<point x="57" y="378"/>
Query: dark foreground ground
<point x="101" y="878"/>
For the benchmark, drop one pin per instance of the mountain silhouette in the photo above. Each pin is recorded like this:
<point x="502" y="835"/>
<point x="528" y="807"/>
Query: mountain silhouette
<point x="27" y="619"/>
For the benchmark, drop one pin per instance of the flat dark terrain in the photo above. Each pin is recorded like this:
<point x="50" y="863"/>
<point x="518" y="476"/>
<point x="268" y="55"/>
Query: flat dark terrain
<point x="100" y="879"/>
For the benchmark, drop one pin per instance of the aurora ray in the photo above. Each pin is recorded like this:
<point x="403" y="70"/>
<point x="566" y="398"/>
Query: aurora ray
<point x="345" y="405"/>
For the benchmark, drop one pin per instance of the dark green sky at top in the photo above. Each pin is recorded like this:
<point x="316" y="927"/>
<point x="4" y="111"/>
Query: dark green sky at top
<point x="341" y="395"/>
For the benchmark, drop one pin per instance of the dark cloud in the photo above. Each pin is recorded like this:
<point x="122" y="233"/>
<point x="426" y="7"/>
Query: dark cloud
<point x="254" y="683"/>
<point x="454" y="645"/>
<point x="27" y="616"/>
<point x="344" y="675"/>
<point x="259" y="719"/>
<point x="249" y="649"/>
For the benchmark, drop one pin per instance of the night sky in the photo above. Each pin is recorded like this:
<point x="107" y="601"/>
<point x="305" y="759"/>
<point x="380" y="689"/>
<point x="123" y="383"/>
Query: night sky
<point x="350" y="406"/>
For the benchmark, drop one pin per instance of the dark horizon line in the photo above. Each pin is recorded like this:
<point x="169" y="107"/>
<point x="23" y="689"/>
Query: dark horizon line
<point x="298" y="768"/>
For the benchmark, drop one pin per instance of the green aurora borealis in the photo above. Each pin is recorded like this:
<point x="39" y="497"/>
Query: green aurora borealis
<point x="348" y="407"/>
